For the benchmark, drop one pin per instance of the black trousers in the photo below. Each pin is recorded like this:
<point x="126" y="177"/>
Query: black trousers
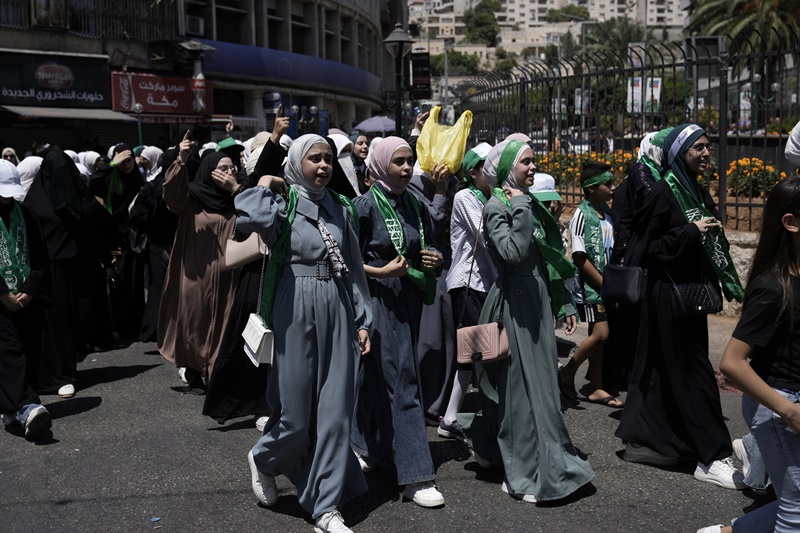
<point x="58" y="365"/>
<point x="20" y="333"/>
<point x="157" y="261"/>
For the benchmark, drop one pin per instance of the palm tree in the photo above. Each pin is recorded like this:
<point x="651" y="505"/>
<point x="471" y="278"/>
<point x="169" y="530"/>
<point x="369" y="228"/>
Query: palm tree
<point x="751" y="25"/>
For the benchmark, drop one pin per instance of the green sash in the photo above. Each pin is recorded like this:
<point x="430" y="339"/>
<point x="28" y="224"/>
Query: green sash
<point x="115" y="188"/>
<point x="714" y="243"/>
<point x="275" y="261"/>
<point x="595" y="249"/>
<point x="548" y="240"/>
<point x="15" y="263"/>
<point x="478" y="194"/>
<point x="654" y="170"/>
<point x="424" y="279"/>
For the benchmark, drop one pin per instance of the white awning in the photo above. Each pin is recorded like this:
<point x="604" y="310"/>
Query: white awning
<point x="68" y="113"/>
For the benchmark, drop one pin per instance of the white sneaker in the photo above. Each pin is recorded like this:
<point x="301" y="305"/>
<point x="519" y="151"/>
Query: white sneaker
<point x="261" y="423"/>
<point x="38" y="422"/>
<point x="721" y="473"/>
<point x="710" y="529"/>
<point x="530" y="498"/>
<point x="741" y="453"/>
<point x="264" y="486"/>
<point x="367" y="464"/>
<point x="424" y="494"/>
<point x="331" y="522"/>
<point x="67" y="391"/>
<point x="182" y="374"/>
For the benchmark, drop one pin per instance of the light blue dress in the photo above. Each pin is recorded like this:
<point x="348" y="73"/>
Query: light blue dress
<point x="311" y="389"/>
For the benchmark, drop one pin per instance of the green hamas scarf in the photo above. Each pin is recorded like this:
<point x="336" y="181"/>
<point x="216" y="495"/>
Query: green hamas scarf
<point x="424" y="279"/>
<point x="15" y="263"/>
<point x="654" y="170"/>
<point x="548" y="240"/>
<point x="115" y="188"/>
<point x="278" y="254"/>
<point x="595" y="249"/>
<point x="603" y="177"/>
<point x="275" y="262"/>
<point x="478" y="194"/>
<point x="714" y="243"/>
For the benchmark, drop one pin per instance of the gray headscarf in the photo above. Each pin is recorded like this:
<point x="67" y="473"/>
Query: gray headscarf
<point x="294" y="166"/>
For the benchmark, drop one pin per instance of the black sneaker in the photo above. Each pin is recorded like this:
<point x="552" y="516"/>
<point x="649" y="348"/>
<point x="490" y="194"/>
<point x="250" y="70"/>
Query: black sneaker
<point x="450" y="432"/>
<point x="635" y="453"/>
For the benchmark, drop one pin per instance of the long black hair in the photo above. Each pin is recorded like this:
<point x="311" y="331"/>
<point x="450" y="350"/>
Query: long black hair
<point x="776" y="254"/>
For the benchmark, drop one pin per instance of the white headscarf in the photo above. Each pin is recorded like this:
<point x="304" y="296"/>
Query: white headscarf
<point x="372" y="145"/>
<point x="294" y="166"/>
<point x="152" y="154"/>
<point x="342" y="143"/>
<point x="493" y="161"/>
<point x="252" y="160"/>
<point x="90" y="160"/>
<point x="72" y="155"/>
<point x="647" y="148"/>
<point x="285" y="142"/>
<point x="28" y="168"/>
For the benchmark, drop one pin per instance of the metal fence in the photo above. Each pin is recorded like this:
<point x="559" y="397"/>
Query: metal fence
<point x="601" y="103"/>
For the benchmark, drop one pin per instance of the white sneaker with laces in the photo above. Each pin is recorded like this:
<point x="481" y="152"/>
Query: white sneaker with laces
<point x="264" y="486"/>
<point x="721" y="473"/>
<point x="530" y="498"/>
<point x="710" y="529"/>
<point x="331" y="522"/>
<point x="67" y="391"/>
<point x="741" y="453"/>
<point x="367" y="464"/>
<point x="424" y="494"/>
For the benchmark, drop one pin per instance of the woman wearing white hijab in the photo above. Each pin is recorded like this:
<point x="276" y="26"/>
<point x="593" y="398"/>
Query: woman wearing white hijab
<point x="521" y="427"/>
<point x="90" y="160"/>
<point x="316" y="301"/>
<point x="28" y="168"/>
<point x="151" y="154"/>
<point x="344" y="148"/>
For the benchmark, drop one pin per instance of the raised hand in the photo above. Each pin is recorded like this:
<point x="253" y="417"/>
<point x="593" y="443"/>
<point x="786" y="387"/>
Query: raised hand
<point x="185" y="147"/>
<point x="281" y="126"/>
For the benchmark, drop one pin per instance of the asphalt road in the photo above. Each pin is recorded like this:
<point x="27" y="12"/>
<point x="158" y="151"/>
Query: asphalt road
<point x="130" y="447"/>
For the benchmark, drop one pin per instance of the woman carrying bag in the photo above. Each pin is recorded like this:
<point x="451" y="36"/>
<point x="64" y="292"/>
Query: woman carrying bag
<point x="315" y="298"/>
<point x="673" y="411"/>
<point x="520" y="425"/>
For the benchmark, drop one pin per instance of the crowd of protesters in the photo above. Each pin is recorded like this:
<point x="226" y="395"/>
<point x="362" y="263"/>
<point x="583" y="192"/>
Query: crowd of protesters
<point x="372" y="264"/>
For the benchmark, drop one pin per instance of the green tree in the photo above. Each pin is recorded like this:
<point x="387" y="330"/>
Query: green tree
<point x="458" y="64"/>
<point x="569" y="13"/>
<point x="613" y="35"/>
<point x="740" y="19"/>
<point x="481" y="24"/>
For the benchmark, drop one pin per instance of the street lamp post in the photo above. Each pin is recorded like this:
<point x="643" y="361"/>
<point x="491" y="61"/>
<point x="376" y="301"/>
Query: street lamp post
<point x="398" y="43"/>
<point x="138" y="108"/>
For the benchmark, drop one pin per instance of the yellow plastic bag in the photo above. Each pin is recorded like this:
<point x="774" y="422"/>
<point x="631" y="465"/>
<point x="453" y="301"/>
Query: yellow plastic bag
<point x="439" y="144"/>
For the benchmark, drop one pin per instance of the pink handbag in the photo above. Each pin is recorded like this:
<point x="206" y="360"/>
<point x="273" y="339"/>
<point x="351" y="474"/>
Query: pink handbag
<point x="485" y="343"/>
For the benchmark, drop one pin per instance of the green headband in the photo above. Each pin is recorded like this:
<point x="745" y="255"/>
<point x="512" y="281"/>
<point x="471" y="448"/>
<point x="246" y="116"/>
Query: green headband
<point x="507" y="160"/>
<point x="603" y="177"/>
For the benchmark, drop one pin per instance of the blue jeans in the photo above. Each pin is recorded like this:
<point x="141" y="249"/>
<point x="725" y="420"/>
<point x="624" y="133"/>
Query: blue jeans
<point x="780" y="449"/>
<point x="756" y="478"/>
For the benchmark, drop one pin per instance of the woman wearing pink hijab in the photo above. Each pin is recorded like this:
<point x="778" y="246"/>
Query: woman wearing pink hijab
<point x="395" y="239"/>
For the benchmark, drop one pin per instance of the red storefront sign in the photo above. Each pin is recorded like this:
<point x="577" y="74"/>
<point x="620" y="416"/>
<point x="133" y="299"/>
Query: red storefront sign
<point x="156" y="94"/>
